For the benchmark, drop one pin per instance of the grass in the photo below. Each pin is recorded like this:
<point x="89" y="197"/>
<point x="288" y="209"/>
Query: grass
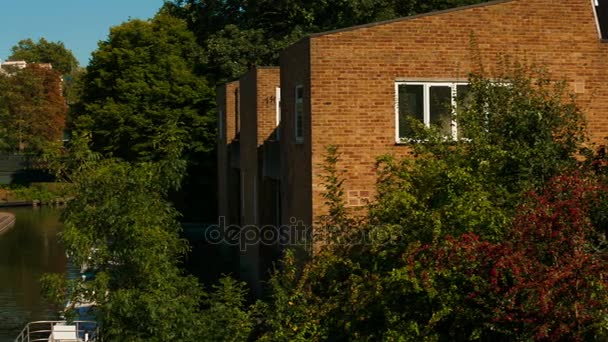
<point x="42" y="192"/>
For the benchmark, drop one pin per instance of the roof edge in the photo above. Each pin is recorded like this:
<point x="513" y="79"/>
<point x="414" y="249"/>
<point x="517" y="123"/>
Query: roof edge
<point x="266" y="67"/>
<point x="412" y="17"/>
<point x="225" y="84"/>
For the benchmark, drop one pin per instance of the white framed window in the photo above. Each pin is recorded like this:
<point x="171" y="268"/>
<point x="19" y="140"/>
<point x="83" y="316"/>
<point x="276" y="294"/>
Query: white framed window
<point x="277" y="97"/>
<point x="430" y="102"/>
<point x="299" y="114"/>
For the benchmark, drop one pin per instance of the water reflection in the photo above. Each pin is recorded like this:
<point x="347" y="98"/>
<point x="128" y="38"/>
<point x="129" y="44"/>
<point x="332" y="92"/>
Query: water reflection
<point x="27" y="251"/>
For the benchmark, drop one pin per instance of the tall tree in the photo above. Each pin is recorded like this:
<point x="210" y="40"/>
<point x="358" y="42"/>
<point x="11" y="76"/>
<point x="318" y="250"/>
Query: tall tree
<point x="142" y="98"/>
<point x="237" y="34"/>
<point x="33" y="109"/>
<point x="44" y="51"/>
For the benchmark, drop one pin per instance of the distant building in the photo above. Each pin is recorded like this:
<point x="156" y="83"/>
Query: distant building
<point x="14" y="64"/>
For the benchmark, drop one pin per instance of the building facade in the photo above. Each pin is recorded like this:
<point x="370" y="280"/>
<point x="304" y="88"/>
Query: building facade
<point x="248" y="163"/>
<point x="352" y="87"/>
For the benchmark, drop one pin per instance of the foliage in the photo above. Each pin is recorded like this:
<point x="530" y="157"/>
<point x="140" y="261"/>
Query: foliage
<point x="238" y="34"/>
<point x="333" y="228"/>
<point x="521" y="130"/>
<point x="120" y="226"/>
<point x="544" y="281"/>
<point x="43" y="192"/>
<point x="44" y="51"/>
<point x="141" y="97"/>
<point x="32" y="109"/>
<point x="226" y="316"/>
<point x="496" y="237"/>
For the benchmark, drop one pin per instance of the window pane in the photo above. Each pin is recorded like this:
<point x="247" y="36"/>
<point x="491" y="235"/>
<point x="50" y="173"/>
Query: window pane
<point x="299" y="113"/>
<point x="411" y="103"/>
<point x="441" y="108"/>
<point x="462" y="94"/>
<point x="463" y="99"/>
<point x="601" y="9"/>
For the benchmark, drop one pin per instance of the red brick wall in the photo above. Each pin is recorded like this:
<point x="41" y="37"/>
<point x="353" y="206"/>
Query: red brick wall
<point x="296" y="168"/>
<point x="257" y="122"/>
<point x="350" y="77"/>
<point x="267" y="82"/>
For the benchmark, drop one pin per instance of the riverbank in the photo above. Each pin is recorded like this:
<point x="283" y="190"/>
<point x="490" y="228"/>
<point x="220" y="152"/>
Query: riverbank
<point x="34" y="194"/>
<point x="7" y="221"/>
<point x="34" y="203"/>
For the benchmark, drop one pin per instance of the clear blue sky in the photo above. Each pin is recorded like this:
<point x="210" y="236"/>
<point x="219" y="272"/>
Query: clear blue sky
<point x="79" y="24"/>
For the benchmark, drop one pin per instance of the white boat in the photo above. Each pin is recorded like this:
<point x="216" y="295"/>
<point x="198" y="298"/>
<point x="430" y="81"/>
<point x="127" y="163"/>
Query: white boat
<point x="59" y="331"/>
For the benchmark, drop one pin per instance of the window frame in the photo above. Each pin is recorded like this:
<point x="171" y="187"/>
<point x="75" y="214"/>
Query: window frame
<point x="277" y="96"/>
<point x="427" y="104"/>
<point x="601" y="27"/>
<point x="299" y="138"/>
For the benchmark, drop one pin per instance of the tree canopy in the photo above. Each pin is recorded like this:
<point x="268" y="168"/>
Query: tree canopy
<point x="142" y="98"/>
<point x="44" y="51"/>
<point x="500" y="236"/>
<point x="32" y="109"/>
<point x="238" y="34"/>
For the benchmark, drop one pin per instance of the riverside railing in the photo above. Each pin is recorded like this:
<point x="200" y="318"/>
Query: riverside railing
<point x="40" y="331"/>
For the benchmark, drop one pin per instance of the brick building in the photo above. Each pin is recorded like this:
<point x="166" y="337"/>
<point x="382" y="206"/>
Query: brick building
<point x="350" y="87"/>
<point x="248" y="164"/>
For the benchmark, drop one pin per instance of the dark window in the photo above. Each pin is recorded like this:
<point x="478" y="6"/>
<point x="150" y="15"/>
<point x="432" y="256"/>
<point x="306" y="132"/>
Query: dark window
<point x="299" y="114"/>
<point x="431" y="103"/>
<point x="601" y="10"/>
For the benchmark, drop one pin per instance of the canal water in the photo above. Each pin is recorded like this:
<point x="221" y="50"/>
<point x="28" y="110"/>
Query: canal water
<point x="27" y="251"/>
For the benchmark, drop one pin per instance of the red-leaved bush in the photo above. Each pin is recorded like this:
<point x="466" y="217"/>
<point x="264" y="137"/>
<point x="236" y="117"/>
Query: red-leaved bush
<point x="545" y="281"/>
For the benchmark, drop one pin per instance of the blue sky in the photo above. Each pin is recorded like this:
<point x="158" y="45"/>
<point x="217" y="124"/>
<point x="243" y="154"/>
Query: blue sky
<point x="79" y="24"/>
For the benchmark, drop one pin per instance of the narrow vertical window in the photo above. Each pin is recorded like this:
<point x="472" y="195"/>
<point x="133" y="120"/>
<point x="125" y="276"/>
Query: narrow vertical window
<point x="299" y="114"/>
<point x="237" y="117"/>
<point x="601" y="14"/>
<point x="278" y="111"/>
<point x="411" y="104"/>
<point x="440" y="109"/>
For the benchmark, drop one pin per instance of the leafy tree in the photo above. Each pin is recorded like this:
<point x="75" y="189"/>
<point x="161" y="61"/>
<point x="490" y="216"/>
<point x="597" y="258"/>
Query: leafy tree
<point x="542" y="282"/>
<point x="142" y="99"/>
<point x="121" y="226"/>
<point x="44" y="51"/>
<point x="448" y="252"/>
<point x="34" y="109"/>
<point x="254" y="32"/>
<point x="519" y="132"/>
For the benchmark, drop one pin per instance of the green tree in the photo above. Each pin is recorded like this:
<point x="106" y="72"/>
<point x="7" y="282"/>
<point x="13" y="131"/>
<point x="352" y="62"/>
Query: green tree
<point x="44" y="51"/>
<point x="120" y="225"/>
<point x="377" y="280"/>
<point x="142" y="98"/>
<point x="238" y="34"/>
